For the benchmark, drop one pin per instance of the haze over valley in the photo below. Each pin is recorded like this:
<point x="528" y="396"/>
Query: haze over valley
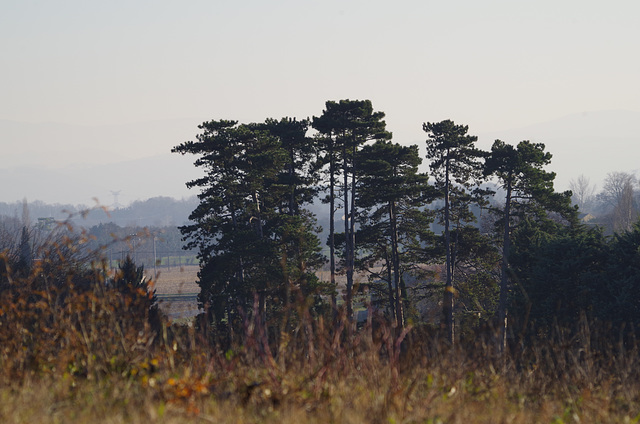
<point x="75" y="164"/>
<point x="379" y="230"/>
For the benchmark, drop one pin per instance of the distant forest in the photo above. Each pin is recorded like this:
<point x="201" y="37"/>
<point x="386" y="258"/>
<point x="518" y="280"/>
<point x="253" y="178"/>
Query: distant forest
<point x="156" y="211"/>
<point x="146" y="231"/>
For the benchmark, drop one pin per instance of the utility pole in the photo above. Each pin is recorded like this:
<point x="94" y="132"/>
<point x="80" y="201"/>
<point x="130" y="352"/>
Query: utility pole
<point x="155" y="260"/>
<point x="115" y="194"/>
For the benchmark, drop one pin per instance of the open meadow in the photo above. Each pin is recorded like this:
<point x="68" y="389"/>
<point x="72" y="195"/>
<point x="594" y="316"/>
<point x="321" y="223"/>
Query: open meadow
<point x="177" y="291"/>
<point x="91" y="357"/>
<point x="177" y="280"/>
<point x="76" y="348"/>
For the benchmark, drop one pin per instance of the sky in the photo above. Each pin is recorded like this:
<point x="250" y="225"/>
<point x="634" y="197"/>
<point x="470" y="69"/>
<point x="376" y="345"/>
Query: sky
<point x="492" y="65"/>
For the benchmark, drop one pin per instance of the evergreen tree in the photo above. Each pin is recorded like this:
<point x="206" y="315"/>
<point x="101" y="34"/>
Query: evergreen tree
<point x="25" y="257"/>
<point x="391" y="192"/>
<point x="456" y="169"/>
<point x="616" y="294"/>
<point x="529" y="194"/>
<point x="345" y="126"/>
<point x="242" y="228"/>
<point x="299" y="247"/>
<point x="129" y="276"/>
<point x="138" y="297"/>
<point x="561" y="273"/>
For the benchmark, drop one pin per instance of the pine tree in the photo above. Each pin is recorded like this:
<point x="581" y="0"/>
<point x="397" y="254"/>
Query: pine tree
<point x="345" y="126"/>
<point x="252" y="235"/>
<point x="456" y="168"/>
<point x="391" y="192"/>
<point x="529" y="194"/>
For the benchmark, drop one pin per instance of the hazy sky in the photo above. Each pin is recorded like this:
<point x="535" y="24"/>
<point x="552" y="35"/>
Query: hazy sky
<point x="492" y="65"/>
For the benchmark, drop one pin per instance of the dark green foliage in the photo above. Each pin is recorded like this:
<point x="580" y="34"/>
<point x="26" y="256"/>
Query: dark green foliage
<point x="343" y="128"/>
<point x="558" y="274"/>
<point x="137" y="293"/>
<point x="529" y="188"/>
<point x="619" y="285"/>
<point x="129" y="276"/>
<point x="456" y="168"/>
<point x="391" y="193"/>
<point x="300" y="173"/>
<point x="25" y="260"/>
<point x="564" y="272"/>
<point x="253" y="237"/>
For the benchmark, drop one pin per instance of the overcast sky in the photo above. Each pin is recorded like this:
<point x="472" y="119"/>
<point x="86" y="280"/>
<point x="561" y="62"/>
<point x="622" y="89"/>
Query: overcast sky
<point x="492" y="65"/>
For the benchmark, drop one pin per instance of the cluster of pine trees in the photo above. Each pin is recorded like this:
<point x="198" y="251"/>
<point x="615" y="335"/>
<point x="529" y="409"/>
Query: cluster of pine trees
<point x="259" y="248"/>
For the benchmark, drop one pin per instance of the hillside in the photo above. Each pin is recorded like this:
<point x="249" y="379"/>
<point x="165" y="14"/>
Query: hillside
<point x="156" y="212"/>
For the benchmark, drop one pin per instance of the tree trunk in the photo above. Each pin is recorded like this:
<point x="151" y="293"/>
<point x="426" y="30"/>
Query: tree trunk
<point x="258" y="217"/>
<point x="506" y="245"/>
<point x="332" y="230"/>
<point x="293" y="206"/>
<point x="447" y="307"/>
<point x="352" y="221"/>
<point x="347" y="227"/>
<point x="395" y="259"/>
<point x="392" y="298"/>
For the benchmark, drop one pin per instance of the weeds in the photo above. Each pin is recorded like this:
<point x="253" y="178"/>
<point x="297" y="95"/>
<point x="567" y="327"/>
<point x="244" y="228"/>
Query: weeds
<point x="74" y="348"/>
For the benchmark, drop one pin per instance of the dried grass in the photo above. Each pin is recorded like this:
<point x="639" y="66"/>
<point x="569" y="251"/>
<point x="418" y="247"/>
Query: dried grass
<point x="83" y="356"/>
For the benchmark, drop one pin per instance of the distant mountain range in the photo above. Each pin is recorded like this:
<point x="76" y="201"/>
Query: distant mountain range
<point x="153" y="212"/>
<point x="72" y="164"/>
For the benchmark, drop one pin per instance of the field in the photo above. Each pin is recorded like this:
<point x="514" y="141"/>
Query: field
<point x="177" y="280"/>
<point x="177" y="290"/>
<point x="366" y="378"/>
<point x="99" y="355"/>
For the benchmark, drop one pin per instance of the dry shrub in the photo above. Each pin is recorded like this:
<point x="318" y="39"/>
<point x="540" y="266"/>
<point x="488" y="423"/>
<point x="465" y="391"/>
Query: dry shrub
<point x="74" y="348"/>
<point x="88" y="329"/>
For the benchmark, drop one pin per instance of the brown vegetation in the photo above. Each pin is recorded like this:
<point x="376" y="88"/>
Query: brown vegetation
<point x="86" y="357"/>
<point x="75" y="349"/>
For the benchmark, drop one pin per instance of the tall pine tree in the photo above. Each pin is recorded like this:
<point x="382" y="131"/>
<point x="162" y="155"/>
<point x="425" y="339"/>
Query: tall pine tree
<point x="241" y="227"/>
<point x="529" y="194"/>
<point x="345" y="126"/>
<point x="456" y="168"/>
<point x="391" y="193"/>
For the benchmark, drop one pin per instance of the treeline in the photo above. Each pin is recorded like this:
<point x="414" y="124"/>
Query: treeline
<point x="155" y="211"/>
<point x="150" y="247"/>
<point x="25" y="241"/>
<point x="530" y="261"/>
<point x="615" y="207"/>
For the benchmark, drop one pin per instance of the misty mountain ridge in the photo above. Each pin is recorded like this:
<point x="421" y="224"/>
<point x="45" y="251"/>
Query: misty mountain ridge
<point x="153" y="212"/>
<point x="76" y="163"/>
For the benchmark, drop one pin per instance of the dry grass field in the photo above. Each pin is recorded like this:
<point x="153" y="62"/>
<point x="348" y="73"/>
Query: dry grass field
<point x="177" y="280"/>
<point x="176" y="289"/>
<point x="87" y="355"/>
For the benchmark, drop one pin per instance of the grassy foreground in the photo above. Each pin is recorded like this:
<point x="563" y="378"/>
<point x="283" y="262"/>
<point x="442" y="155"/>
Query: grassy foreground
<point x="85" y="353"/>
<point x="329" y="377"/>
